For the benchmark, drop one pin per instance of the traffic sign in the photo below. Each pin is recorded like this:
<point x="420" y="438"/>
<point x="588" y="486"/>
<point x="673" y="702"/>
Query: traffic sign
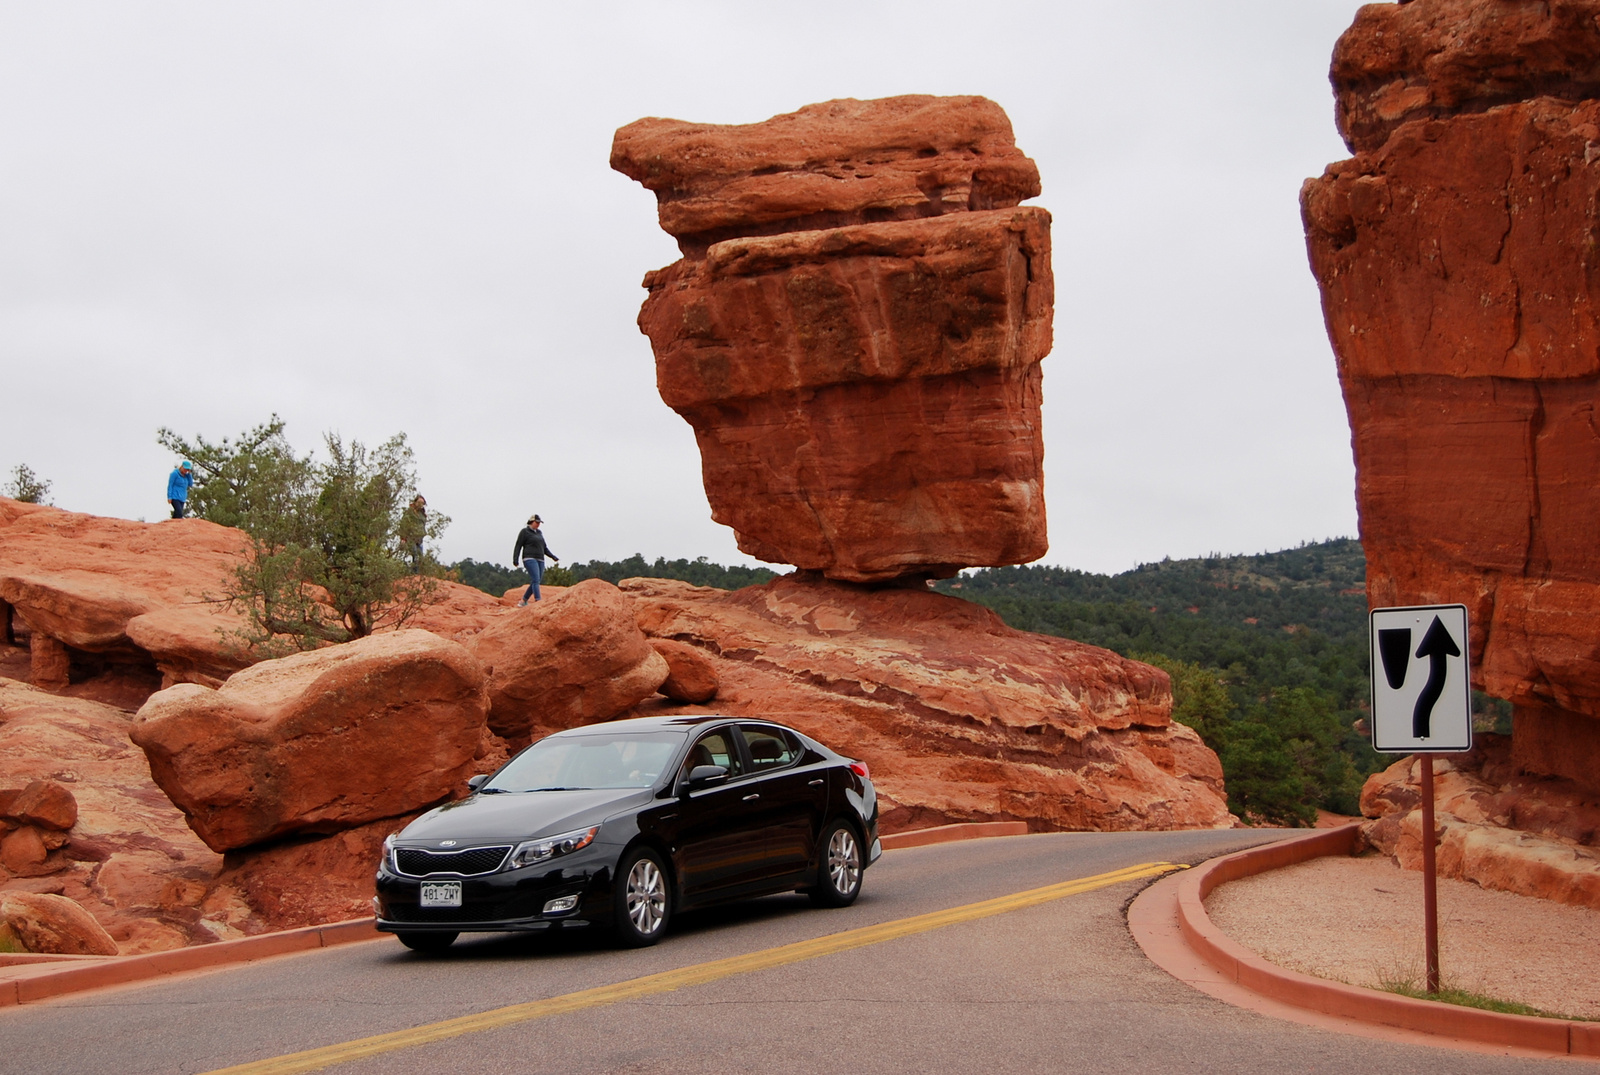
<point x="1421" y="686"/>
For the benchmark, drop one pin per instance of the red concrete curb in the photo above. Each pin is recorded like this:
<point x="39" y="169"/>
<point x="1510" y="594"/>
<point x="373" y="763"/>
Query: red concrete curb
<point x="1244" y="967"/>
<point x="118" y="970"/>
<point x="943" y="834"/>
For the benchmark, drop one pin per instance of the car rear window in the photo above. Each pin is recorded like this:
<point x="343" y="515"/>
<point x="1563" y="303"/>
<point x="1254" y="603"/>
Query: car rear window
<point x="770" y="748"/>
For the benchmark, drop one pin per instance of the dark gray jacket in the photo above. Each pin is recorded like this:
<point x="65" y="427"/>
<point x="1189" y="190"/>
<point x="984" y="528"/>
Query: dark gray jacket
<point x="531" y="546"/>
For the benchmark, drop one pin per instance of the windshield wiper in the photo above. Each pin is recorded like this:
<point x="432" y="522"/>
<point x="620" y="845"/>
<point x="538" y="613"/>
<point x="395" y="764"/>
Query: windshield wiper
<point x="556" y="789"/>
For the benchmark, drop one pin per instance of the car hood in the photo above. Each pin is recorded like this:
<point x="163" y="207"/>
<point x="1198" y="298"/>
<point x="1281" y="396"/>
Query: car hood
<point x="521" y="815"/>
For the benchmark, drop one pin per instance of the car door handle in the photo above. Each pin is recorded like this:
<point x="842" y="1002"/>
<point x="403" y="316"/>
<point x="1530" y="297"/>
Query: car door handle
<point x="752" y="797"/>
<point x="815" y="784"/>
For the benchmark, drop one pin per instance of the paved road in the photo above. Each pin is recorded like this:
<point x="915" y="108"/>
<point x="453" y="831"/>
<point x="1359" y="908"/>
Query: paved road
<point x="1058" y="987"/>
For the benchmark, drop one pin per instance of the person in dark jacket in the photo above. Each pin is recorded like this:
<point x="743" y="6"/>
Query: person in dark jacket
<point x="413" y="528"/>
<point x="531" y="550"/>
<point x="178" y="488"/>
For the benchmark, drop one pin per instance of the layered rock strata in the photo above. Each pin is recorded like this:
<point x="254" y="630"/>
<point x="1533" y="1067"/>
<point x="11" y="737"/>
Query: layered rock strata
<point x="959" y="717"/>
<point x="855" y="330"/>
<point x="1460" y="276"/>
<point x="140" y="601"/>
<point x="1498" y="827"/>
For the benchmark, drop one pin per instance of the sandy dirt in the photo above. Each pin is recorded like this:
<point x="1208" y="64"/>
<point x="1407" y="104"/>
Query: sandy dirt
<point x="1359" y="920"/>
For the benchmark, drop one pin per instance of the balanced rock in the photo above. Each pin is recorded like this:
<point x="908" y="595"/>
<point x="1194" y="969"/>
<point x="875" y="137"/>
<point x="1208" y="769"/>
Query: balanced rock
<point x="320" y="741"/>
<point x="691" y="677"/>
<point x="960" y="717"/>
<point x="855" y="330"/>
<point x="1455" y="253"/>
<point x="568" y="660"/>
<point x="54" y="924"/>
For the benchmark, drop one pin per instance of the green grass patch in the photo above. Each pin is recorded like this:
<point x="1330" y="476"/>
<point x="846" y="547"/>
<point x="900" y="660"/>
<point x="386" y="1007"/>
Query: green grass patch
<point x="1468" y="999"/>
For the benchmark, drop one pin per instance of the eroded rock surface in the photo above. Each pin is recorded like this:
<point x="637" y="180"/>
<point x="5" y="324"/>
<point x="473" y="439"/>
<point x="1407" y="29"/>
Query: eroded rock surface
<point x="319" y="741"/>
<point x="855" y="330"/>
<point x="1461" y="287"/>
<point x="1499" y="827"/>
<point x="571" y="659"/>
<point x="959" y="717"/>
<point x="136" y="599"/>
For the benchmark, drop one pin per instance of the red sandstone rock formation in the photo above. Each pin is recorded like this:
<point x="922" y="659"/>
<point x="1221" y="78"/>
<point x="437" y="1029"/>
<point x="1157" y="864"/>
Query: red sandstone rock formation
<point x="127" y="857"/>
<point x="690" y="675"/>
<point x="40" y="922"/>
<point x="1461" y="286"/>
<point x="855" y="330"/>
<point x="565" y="661"/>
<point x="1538" y="836"/>
<point x="130" y="597"/>
<point x="960" y="717"/>
<point x="320" y="741"/>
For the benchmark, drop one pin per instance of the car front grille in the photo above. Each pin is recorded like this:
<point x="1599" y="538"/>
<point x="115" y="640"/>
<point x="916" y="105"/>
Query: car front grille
<point x="417" y="862"/>
<point x="521" y="906"/>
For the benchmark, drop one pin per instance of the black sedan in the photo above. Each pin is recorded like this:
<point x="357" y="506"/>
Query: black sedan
<point x="621" y="825"/>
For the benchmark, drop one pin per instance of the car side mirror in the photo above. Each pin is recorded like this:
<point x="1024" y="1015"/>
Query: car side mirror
<point x="705" y="776"/>
<point x="476" y="782"/>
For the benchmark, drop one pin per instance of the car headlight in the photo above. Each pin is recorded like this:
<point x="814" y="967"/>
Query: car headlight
<point x="531" y="852"/>
<point x="388" y="852"/>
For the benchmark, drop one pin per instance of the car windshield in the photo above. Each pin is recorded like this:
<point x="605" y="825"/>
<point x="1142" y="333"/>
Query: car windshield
<point x="624" y="760"/>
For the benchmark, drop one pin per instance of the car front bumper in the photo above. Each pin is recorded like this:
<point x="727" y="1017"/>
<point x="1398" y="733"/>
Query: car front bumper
<point x="506" y="902"/>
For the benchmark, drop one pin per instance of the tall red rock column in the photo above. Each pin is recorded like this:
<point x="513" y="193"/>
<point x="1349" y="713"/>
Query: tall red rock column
<point x="1458" y="254"/>
<point x="855" y="330"/>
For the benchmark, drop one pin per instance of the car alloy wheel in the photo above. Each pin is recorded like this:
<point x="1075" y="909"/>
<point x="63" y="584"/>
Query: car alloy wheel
<point x="644" y="899"/>
<point x="839" y="871"/>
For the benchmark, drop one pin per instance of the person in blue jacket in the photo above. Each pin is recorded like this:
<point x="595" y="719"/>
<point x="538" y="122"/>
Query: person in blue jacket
<point x="178" y="488"/>
<point x="531" y="550"/>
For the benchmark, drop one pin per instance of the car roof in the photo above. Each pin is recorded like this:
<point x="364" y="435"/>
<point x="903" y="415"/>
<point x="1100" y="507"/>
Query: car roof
<point x="674" y="722"/>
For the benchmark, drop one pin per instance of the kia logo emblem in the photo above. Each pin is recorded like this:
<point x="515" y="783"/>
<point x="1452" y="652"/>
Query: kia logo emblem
<point x="447" y="843"/>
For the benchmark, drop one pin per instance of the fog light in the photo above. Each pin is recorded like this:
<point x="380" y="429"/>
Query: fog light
<point x="561" y="906"/>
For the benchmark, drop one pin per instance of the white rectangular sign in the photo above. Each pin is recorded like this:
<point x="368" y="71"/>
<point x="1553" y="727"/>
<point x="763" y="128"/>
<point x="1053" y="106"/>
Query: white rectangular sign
<point x="1421" y="685"/>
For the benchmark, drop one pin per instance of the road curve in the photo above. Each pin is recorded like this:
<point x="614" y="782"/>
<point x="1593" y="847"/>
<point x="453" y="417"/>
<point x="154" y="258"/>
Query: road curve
<point x="1053" y="985"/>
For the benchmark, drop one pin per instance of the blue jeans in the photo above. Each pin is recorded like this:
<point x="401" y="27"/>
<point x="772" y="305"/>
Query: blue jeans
<point x="178" y="508"/>
<point x="535" y="576"/>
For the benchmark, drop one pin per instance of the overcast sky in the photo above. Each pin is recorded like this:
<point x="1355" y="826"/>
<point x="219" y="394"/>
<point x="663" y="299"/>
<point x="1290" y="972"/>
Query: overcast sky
<point x="374" y="217"/>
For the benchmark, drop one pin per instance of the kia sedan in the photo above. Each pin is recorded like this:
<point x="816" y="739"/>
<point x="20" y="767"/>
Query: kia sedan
<point x="619" y="826"/>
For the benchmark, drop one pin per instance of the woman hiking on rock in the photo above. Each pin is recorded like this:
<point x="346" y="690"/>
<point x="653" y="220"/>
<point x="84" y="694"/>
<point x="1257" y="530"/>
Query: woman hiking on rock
<point x="531" y="550"/>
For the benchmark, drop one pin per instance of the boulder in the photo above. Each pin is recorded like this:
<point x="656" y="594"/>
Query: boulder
<point x="46" y="803"/>
<point x="690" y="675"/>
<point x="320" y="741"/>
<point x="1456" y="260"/>
<point x="855" y="330"/>
<point x="959" y="717"/>
<point x="120" y="592"/>
<point x="54" y="924"/>
<point x="565" y="661"/>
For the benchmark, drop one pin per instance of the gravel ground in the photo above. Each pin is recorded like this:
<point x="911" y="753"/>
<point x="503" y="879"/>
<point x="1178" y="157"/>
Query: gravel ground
<point x="1359" y="920"/>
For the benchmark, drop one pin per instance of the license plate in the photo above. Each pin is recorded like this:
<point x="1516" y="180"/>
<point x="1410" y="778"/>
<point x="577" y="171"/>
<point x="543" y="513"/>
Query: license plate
<point x="442" y="894"/>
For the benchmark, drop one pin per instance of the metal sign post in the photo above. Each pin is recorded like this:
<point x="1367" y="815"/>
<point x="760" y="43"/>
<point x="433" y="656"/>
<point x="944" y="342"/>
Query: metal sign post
<point x="1422" y="704"/>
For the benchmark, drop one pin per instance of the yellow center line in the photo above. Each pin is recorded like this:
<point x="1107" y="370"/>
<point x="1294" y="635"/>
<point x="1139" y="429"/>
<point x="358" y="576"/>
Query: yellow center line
<point x="698" y="974"/>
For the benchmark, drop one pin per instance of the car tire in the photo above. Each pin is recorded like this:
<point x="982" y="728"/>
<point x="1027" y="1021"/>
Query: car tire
<point x="641" y="899"/>
<point x="839" y="867"/>
<point x="427" y="942"/>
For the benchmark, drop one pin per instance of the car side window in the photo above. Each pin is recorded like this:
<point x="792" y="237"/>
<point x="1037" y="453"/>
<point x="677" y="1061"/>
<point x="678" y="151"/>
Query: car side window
<point x="769" y="748"/>
<point x="715" y="748"/>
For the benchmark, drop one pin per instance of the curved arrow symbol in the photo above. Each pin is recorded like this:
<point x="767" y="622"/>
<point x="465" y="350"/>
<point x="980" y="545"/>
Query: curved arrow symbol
<point x="1438" y="647"/>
